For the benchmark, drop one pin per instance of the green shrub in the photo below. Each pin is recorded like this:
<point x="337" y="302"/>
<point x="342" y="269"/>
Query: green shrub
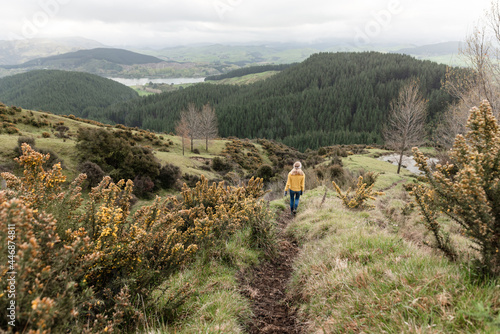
<point x="116" y="155"/>
<point x="25" y="140"/>
<point x="336" y="171"/>
<point x="169" y="174"/>
<point x="143" y="186"/>
<point x="221" y="164"/>
<point x="93" y="171"/>
<point x="265" y="172"/>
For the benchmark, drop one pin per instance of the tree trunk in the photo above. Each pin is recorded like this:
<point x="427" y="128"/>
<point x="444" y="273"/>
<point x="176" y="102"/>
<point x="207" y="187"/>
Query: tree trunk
<point x="206" y="144"/>
<point x="400" y="160"/>
<point x="192" y="139"/>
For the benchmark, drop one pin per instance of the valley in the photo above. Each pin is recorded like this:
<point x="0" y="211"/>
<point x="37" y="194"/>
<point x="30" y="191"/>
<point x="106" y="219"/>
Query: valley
<point x="158" y="207"/>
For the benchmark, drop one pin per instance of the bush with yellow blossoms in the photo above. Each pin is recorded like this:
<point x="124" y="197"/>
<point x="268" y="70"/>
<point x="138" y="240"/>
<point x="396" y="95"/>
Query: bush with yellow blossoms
<point x="467" y="190"/>
<point x="357" y="198"/>
<point x="89" y="266"/>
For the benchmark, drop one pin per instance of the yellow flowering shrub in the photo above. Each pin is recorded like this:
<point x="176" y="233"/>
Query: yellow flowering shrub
<point x="87" y="264"/>
<point x="168" y="233"/>
<point x="43" y="273"/>
<point x="467" y="190"/>
<point x="359" y="198"/>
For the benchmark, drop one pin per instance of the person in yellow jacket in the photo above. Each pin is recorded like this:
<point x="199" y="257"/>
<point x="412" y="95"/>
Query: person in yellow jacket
<point x="295" y="183"/>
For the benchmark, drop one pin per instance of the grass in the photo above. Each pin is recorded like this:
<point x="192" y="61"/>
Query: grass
<point x="368" y="270"/>
<point x="246" y="79"/>
<point x="387" y="171"/>
<point x="205" y="297"/>
<point x="189" y="163"/>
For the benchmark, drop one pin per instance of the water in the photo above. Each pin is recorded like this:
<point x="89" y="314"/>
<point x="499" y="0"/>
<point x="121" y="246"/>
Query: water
<point x="143" y="81"/>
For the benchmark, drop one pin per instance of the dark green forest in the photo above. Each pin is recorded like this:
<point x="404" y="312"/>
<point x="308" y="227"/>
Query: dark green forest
<point x="330" y="98"/>
<point x="63" y="92"/>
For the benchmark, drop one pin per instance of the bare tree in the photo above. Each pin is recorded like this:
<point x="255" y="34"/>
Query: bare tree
<point x="405" y="127"/>
<point x="191" y="121"/>
<point x="480" y="82"/>
<point x="182" y="131"/>
<point x="208" y="124"/>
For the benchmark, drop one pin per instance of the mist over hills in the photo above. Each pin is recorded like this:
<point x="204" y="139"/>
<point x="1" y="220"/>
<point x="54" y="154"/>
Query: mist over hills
<point x="15" y="52"/>
<point x="209" y="59"/>
<point x="328" y="98"/>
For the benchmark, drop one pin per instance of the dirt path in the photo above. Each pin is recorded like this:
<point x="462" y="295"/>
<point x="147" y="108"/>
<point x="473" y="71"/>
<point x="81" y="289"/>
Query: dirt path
<point x="265" y="286"/>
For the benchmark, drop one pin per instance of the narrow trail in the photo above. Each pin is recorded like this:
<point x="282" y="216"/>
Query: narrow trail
<point x="265" y="285"/>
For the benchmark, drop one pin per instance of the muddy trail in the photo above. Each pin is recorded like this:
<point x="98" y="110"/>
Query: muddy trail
<point x="265" y="285"/>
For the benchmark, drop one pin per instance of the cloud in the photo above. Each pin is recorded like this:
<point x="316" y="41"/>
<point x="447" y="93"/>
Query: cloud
<point x="168" y="22"/>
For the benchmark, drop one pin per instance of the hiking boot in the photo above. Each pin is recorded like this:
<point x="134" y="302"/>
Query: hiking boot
<point x="294" y="212"/>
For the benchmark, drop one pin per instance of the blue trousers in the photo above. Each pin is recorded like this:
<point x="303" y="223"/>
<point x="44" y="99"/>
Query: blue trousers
<point x="294" y="199"/>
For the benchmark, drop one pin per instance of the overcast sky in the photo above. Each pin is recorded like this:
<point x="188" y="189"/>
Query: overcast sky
<point x="159" y="23"/>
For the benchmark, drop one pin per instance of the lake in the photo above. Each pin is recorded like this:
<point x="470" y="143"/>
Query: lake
<point x="143" y="81"/>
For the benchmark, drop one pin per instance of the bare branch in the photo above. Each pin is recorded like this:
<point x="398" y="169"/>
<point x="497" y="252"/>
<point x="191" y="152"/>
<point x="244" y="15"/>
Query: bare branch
<point x="405" y="126"/>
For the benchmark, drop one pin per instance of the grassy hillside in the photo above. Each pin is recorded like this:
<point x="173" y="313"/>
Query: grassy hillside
<point x="42" y="127"/>
<point x="364" y="270"/>
<point x="371" y="270"/>
<point x="63" y="92"/>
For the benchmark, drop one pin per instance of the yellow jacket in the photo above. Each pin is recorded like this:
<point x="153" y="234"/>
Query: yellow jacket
<point x="295" y="182"/>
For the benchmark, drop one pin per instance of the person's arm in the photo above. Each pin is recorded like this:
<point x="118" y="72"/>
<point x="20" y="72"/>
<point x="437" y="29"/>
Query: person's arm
<point x="287" y="186"/>
<point x="303" y="184"/>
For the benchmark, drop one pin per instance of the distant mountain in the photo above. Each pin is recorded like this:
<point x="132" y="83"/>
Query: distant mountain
<point x="63" y="92"/>
<point x="83" y="58"/>
<point x="15" y="52"/>
<point x="431" y="50"/>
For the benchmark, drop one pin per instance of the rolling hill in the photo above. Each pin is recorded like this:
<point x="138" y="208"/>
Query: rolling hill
<point x="84" y="57"/>
<point x="63" y="92"/>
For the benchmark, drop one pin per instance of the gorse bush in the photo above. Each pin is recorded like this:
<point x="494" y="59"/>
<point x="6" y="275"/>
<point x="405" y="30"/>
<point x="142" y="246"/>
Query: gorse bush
<point x="265" y="172"/>
<point x="116" y="155"/>
<point x="90" y="266"/>
<point x="169" y="174"/>
<point x="359" y="198"/>
<point x="468" y="190"/>
<point x="93" y="171"/>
